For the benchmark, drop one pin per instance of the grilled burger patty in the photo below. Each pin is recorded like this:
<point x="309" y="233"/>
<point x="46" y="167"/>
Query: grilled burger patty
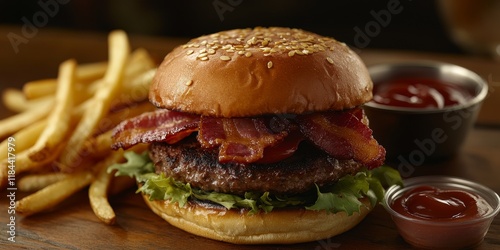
<point x="187" y="162"/>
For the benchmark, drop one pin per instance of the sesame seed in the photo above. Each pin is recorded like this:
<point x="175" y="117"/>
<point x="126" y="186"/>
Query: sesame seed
<point x="269" y="64"/>
<point x="225" y="58"/>
<point x="268" y="41"/>
<point x="329" y="60"/>
<point x="189" y="83"/>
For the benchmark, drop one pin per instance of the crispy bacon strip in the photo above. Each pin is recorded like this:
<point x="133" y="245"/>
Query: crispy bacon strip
<point x="343" y="135"/>
<point x="158" y="126"/>
<point x="241" y="139"/>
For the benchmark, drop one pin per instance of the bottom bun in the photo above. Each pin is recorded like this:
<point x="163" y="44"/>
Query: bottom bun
<point x="281" y="226"/>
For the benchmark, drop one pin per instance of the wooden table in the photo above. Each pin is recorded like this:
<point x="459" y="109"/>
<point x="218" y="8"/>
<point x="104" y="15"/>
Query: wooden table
<point x="72" y="225"/>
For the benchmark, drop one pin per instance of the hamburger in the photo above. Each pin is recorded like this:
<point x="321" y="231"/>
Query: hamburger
<point x="259" y="138"/>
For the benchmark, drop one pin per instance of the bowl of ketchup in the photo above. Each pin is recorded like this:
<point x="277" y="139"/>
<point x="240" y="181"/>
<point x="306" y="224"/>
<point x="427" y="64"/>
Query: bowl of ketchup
<point x="442" y="212"/>
<point x="422" y="111"/>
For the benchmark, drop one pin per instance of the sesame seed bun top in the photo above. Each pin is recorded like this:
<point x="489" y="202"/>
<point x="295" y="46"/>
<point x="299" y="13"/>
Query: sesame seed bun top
<point x="250" y="72"/>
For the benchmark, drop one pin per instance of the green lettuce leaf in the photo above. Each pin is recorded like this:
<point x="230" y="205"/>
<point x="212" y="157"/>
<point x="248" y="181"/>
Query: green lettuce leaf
<point x="159" y="187"/>
<point x="342" y="196"/>
<point x="135" y="167"/>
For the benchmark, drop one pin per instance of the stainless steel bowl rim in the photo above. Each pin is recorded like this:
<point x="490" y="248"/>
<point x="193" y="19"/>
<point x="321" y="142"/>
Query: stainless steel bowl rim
<point x="440" y="66"/>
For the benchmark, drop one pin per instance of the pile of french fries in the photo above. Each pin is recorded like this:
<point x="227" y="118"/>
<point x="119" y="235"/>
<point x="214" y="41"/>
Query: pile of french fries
<point x="62" y="128"/>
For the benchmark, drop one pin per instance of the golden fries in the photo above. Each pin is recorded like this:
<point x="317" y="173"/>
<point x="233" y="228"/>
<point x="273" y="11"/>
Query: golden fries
<point x="53" y="194"/>
<point x="91" y="71"/>
<point x="35" y="182"/>
<point x="85" y="74"/>
<point x="40" y="88"/>
<point x="63" y="128"/>
<point x="16" y="122"/>
<point x="16" y="101"/>
<point x="25" y="138"/>
<point x="98" y="191"/>
<point x="101" y="102"/>
<point x="58" y="123"/>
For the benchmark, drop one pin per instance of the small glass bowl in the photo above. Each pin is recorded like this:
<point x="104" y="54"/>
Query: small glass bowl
<point x="442" y="234"/>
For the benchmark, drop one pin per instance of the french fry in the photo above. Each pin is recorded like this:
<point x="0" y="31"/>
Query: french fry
<point x="67" y="122"/>
<point x="138" y="74"/>
<point x="100" y="146"/>
<point x="12" y="124"/>
<point x="98" y="190"/>
<point x="25" y="138"/>
<point x="53" y="194"/>
<point x="40" y="88"/>
<point x="59" y="121"/>
<point x="35" y="182"/>
<point x="101" y="102"/>
<point x="16" y="101"/>
<point x="25" y="164"/>
<point x="135" y="90"/>
<point x="84" y="75"/>
<point x="140" y="61"/>
<point x="90" y="71"/>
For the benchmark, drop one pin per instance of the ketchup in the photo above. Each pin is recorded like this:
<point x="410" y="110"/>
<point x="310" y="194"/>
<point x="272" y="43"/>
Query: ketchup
<point x="419" y="93"/>
<point x="430" y="203"/>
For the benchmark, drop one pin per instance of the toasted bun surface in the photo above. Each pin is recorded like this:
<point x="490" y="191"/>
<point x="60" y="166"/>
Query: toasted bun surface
<point x="248" y="72"/>
<point x="277" y="227"/>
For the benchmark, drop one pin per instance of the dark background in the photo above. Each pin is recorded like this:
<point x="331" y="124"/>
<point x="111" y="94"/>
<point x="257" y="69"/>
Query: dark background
<point x="418" y="26"/>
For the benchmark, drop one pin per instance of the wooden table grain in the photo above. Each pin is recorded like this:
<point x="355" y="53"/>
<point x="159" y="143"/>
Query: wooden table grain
<point x="72" y="225"/>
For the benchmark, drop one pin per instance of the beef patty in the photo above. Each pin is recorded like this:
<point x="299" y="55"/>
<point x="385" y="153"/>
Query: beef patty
<point x="187" y="162"/>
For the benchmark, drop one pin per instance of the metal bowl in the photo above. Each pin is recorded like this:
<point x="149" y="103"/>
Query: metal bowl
<point x="413" y="136"/>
